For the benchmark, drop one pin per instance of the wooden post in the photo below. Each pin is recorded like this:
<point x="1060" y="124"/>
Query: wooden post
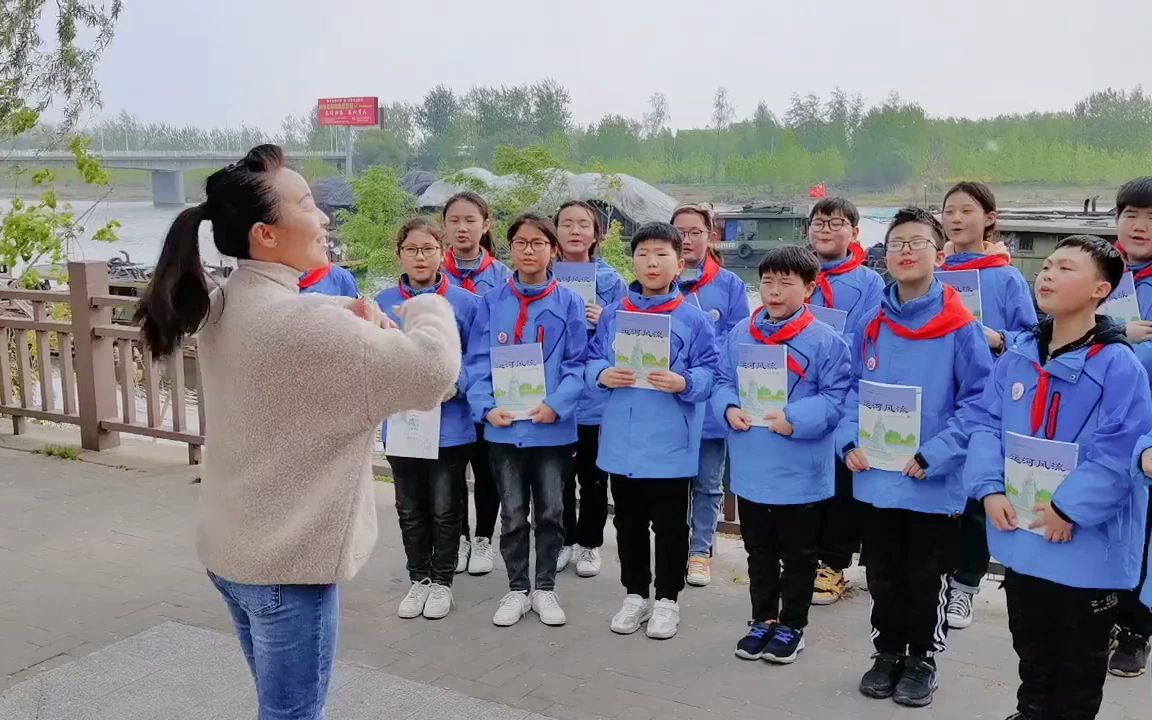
<point x="95" y="366"/>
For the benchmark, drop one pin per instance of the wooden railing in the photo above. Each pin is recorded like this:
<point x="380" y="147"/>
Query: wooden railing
<point x="99" y="360"/>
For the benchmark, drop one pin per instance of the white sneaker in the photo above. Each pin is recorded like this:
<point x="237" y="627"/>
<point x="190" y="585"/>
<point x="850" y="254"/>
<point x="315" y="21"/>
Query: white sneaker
<point x="481" y="561"/>
<point x="565" y="557"/>
<point x="635" y="611"/>
<point x="513" y="606"/>
<point x="439" y="602"/>
<point x="547" y="606"/>
<point x="587" y="562"/>
<point x="664" y="621"/>
<point x="959" y="612"/>
<point x="463" y="554"/>
<point x="413" y="603"/>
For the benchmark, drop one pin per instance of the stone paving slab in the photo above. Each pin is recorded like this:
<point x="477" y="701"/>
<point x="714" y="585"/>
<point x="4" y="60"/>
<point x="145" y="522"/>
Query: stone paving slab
<point x="92" y="555"/>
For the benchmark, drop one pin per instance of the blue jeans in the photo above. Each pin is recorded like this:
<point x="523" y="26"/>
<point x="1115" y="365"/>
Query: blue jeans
<point x="707" y="495"/>
<point x="530" y="477"/>
<point x="288" y="634"/>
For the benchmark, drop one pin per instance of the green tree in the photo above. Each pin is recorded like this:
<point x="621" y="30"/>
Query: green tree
<point x="369" y="230"/>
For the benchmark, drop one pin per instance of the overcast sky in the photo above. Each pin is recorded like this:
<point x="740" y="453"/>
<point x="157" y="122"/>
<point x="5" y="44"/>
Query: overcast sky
<point x="223" y="62"/>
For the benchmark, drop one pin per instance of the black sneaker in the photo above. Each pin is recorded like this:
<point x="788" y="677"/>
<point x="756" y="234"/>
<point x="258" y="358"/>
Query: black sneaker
<point x="1130" y="656"/>
<point x="880" y="681"/>
<point x="785" y="645"/>
<point x="917" y="683"/>
<point x="751" y="646"/>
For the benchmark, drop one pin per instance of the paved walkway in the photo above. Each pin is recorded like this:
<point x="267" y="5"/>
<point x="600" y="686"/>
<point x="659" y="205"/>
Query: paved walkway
<point x="100" y="576"/>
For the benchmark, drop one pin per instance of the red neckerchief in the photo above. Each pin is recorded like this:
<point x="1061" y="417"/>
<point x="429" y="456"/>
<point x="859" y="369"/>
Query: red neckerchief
<point x="856" y="256"/>
<point x="951" y="318"/>
<point x="312" y="277"/>
<point x="791" y="329"/>
<point x="1138" y="275"/>
<point x="980" y="263"/>
<point x="525" y="301"/>
<point x="1040" y="403"/>
<point x="466" y="280"/>
<point x="441" y="288"/>
<point x="707" y="274"/>
<point x="662" y="308"/>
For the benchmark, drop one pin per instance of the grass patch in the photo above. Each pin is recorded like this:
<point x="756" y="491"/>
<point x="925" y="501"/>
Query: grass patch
<point x="64" y="452"/>
<point x="384" y="479"/>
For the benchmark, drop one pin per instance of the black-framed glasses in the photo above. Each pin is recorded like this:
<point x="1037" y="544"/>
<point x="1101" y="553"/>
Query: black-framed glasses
<point x="536" y="245"/>
<point x="410" y="251"/>
<point x="895" y="247"/>
<point x="830" y="224"/>
<point x="694" y="234"/>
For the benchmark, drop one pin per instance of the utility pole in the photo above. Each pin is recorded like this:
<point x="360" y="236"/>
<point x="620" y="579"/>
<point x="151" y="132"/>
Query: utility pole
<point x="348" y="153"/>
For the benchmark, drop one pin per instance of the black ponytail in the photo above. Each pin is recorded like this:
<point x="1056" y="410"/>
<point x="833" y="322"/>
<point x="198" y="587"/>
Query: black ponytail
<point x="239" y="196"/>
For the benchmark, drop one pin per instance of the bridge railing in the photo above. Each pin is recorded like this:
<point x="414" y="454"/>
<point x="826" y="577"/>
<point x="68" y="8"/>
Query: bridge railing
<point x="72" y="363"/>
<point x="172" y="154"/>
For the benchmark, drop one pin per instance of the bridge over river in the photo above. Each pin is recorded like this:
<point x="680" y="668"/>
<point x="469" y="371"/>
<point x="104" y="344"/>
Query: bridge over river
<point x="167" y="168"/>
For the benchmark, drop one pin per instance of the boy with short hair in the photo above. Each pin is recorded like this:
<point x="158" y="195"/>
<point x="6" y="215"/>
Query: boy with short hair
<point x="930" y="358"/>
<point x="650" y="438"/>
<point x="783" y="460"/>
<point x="847" y="284"/>
<point x="1071" y="381"/>
<point x="1134" y="239"/>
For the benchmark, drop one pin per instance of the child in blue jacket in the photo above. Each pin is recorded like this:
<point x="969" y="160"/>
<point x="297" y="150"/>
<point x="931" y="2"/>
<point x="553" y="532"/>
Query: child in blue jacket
<point x="650" y="438"/>
<point x="469" y="263"/>
<point x="784" y="471"/>
<point x="921" y="337"/>
<point x="1071" y="380"/>
<point x="329" y="280"/>
<point x="847" y="284"/>
<point x="530" y="457"/>
<point x="580" y="233"/>
<point x="431" y="494"/>
<point x="1006" y="306"/>
<point x="722" y="295"/>
<point x="1134" y="238"/>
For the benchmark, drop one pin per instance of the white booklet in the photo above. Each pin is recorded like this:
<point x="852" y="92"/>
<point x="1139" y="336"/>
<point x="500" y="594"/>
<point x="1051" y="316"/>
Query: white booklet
<point x="965" y="282"/>
<point x="642" y="344"/>
<point x="518" y="380"/>
<point x="1122" y="305"/>
<point x="838" y="319"/>
<point x="1033" y="469"/>
<point x="889" y="424"/>
<point x="762" y="371"/>
<point x="580" y="278"/>
<point x="414" y="434"/>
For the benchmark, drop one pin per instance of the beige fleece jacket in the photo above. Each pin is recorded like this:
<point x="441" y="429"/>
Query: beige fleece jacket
<point x="295" y="389"/>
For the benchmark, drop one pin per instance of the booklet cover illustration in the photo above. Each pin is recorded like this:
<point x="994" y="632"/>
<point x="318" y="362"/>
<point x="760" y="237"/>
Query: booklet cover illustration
<point x="518" y="381"/>
<point x="642" y="344"/>
<point x="889" y="424"/>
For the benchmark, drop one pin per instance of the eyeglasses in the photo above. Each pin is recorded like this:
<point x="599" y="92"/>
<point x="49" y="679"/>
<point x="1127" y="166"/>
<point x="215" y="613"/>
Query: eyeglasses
<point x="536" y="245"/>
<point x="409" y="251"/>
<point x="895" y="247"/>
<point x="831" y="224"/>
<point x="694" y="234"/>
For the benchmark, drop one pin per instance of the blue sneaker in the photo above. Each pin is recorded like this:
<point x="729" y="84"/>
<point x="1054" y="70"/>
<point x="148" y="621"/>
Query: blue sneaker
<point x="785" y="645"/>
<point x="751" y="647"/>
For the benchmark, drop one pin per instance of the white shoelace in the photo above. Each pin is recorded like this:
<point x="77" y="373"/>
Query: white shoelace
<point x="960" y="603"/>
<point x="419" y="589"/>
<point x="512" y="599"/>
<point x="548" y="600"/>
<point x="440" y="593"/>
<point x="482" y="548"/>
<point x="586" y="555"/>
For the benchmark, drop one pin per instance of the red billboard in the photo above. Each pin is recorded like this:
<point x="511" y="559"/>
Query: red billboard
<point x="354" y="111"/>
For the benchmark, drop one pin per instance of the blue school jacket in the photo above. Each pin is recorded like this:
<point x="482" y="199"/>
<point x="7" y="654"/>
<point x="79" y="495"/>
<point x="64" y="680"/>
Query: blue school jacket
<point x="1104" y="407"/>
<point x="1144" y="297"/>
<point x="951" y="372"/>
<point x="480" y="282"/>
<point x="649" y="433"/>
<point x="1005" y="298"/>
<point x="774" y="469"/>
<point x="724" y="299"/>
<point x="856" y="292"/>
<point x="337" y="282"/>
<point x="1139" y="478"/>
<point x="610" y="288"/>
<point x="456" y="426"/>
<point x="557" y="322"/>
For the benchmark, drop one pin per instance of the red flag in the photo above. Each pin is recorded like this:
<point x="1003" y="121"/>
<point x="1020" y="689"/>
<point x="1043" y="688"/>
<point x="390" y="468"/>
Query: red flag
<point x="817" y="191"/>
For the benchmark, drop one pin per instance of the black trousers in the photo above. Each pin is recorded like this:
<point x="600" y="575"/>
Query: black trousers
<point x="585" y="526"/>
<point x="775" y="535"/>
<point x="972" y="563"/>
<point x="662" y="504"/>
<point x="484" y="493"/>
<point x="531" y="481"/>
<point x="1060" y="634"/>
<point x="429" y="503"/>
<point x="840" y="518"/>
<point x="908" y="556"/>
<point x="1134" y="616"/>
